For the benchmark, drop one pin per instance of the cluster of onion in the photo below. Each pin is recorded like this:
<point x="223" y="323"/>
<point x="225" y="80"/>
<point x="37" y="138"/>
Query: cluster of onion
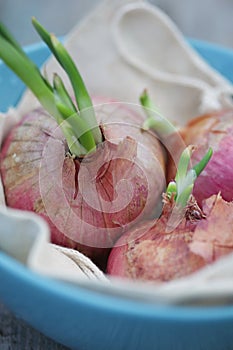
<point x="188" y="236"/>
<point x="70" y="177"/>
<point x="67" y="164"/>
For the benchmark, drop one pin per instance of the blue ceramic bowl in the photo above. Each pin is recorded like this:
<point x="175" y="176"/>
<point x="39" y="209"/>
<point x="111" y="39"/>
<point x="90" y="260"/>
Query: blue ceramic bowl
<point x="83" y="319"/>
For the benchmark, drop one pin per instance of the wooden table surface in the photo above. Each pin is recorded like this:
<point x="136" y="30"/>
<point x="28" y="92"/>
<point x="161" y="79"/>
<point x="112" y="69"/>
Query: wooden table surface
<point x="15" y="334"/>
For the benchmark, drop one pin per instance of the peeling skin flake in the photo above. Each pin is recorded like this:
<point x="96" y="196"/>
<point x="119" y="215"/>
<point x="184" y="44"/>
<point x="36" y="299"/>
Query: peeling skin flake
<point x="213" y="237"/>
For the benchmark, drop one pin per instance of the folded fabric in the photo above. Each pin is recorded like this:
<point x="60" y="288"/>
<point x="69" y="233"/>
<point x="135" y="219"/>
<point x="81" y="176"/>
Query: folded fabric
<point x="141" y="48"/>
<point x="25" y="237"/>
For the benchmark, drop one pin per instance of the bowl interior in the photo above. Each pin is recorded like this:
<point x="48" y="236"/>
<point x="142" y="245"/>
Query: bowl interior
<point x="86" y="317"/>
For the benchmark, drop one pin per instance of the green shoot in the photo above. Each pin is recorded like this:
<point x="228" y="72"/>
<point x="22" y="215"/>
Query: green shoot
<point x="185" y="178"/>
<point x="82" y="134"/>
<point x="155" y="121"/>
<point x="81" y="94"/>
<point x="182" y="188"/>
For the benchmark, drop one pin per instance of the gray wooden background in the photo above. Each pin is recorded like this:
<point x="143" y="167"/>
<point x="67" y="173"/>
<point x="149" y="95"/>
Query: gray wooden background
<point x="17" y="335"/>
<point x="209" y="20"/>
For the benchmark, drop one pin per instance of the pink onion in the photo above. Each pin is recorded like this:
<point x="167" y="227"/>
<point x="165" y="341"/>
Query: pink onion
<point x="89" y="191"/>
<point x="22" y="166"/>
<point x="150" y="253"/>
<point x="183" y="240"/>
<point x="211" y="130"/>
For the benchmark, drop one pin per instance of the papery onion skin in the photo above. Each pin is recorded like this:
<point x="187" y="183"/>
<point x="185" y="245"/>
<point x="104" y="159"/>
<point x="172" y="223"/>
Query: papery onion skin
<point x="210" y="130"/>
<point x="21" y="158"/>
<point x="149" y="253"/>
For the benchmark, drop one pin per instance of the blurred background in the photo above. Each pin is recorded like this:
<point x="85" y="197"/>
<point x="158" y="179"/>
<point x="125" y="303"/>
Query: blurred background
<point x="209" y="20"/>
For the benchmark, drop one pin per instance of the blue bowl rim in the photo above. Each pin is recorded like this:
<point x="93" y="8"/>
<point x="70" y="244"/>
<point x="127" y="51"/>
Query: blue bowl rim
<point x="97" y="300"/>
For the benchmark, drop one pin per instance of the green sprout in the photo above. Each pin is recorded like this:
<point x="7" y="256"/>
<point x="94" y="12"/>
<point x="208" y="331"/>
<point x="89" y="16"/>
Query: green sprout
<point x="78" y="123"/>
<point x="185" y="178"/>
<point x="182" y="186"/>
<point x="155" y="121"/>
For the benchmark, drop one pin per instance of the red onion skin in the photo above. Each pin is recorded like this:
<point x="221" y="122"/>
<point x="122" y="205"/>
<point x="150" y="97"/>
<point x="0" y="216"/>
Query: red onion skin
<point x="213" y="238"/>
<point x="210" y="130"/>
<point x="148" y="253"/>
<point x="21" y="157"/>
